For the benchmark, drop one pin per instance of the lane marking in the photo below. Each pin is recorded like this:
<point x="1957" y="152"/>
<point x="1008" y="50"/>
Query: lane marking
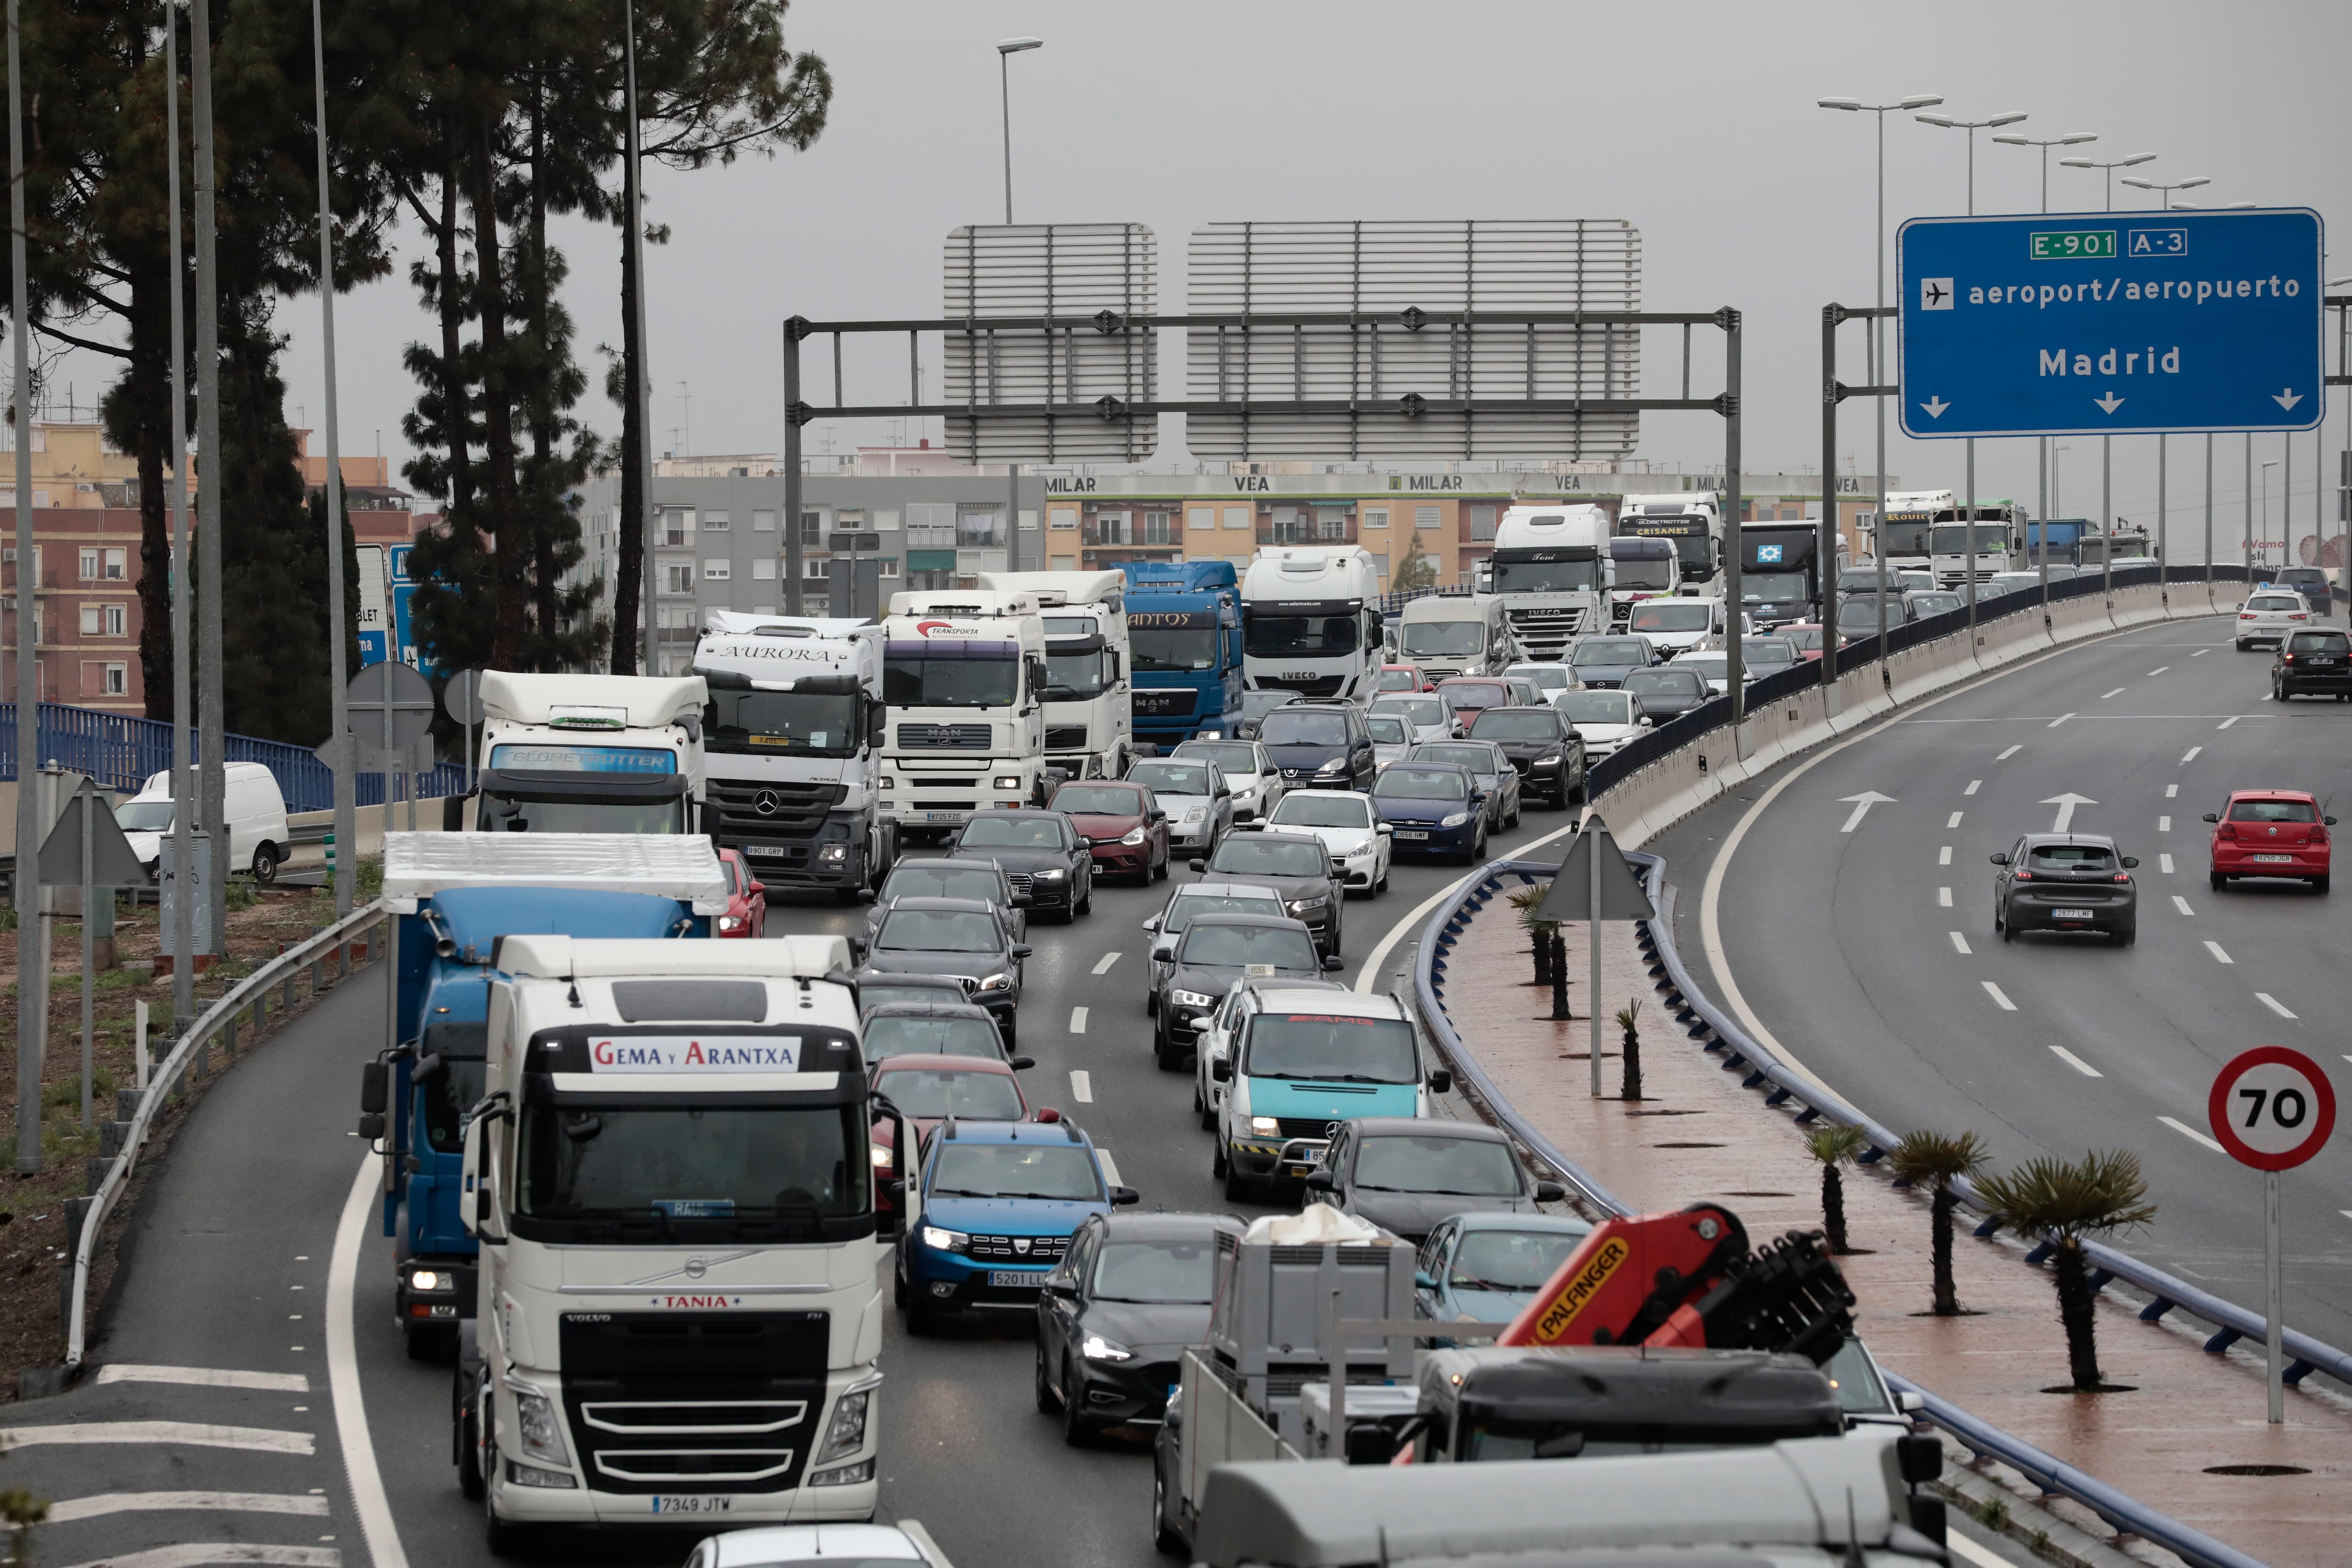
<point x="1082" y="1086"/>
<point x="2182" y="905"/>
<point x="2230" y="720"/>
<point x="1078" y="1020"/>
<point x="71" y="1509"/>
<point x="2172" y="791"/>
<point x="1102" y="967"/>
<point x="1995" y="993"/>
<point x="193" y="1554"/>
<point x="1972" y="786"/>
<point x="2220" y="957"/>
<point x="2164" y="824"/>
<point x="362" y="1217"/>
<point x="2009" y="753"/>
<point x="1959" y="943"/>
<point x="1944" y="897"/>
<point x="2058" y="720"/>
<point x="2190" y="754"/>
<point x="2165" y="861"/>
<point x="2200" y="653"/>
<point x="2117" y="692"/>
<point x="2190" y="1132"/>
<point x="1981" y="1556"/>
<point x="2273" y="1003"/>
<point x="1955" y="822"/>
<point x="196" y="1434"/>
<point x="1944" y="856"/>
<point x="204" y="1377"/>
<point x="1109" y="1166"/>
<point x="2078" y="1063"/>
<point x="2159" y="670"/>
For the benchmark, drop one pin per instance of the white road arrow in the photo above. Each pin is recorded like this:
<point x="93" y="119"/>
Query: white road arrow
<point x="2066" y="805"/>
<point x="2286" y="399"/>
<point x="2110" y="403"/>
<point x="1934" y="407"/>
<point x="1861" y="805"/>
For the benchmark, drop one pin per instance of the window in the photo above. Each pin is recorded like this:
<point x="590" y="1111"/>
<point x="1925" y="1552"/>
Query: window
<point x="1331" y="524"/>
<point x="813" y="528"/>
<point x="1482" y="524"/>
<point x="889" y="568"/>
<point x="1376" y="517"/>
<point x="1201" y="517"/>
<point x="816" y="570"/>
<point x="90" y="558"/>
<point x="979" y="528"/>
<point x="1028" y="523"/>
<point x="1111" y="527"/>
<point x="764" y="570"/>
<point x="931" y="525"/>
<point x="1062" y="517"/>
<point x="1424" y="517"/>
<point x="118" y="680"/>
<point x="1381" y="565"/>
<point x="677" y="527"/>
<point x="678" y="578"/>
<point x="1155" y="528"/>
<point x="102" y="620"/>
<point x="714" y="571"/>
<point x="714" y="519"/>
<point x="1237" y="517"/>
<point x="763" y="521"/>
<point x="90" y="615"/>
<point x="1064" y="564"/>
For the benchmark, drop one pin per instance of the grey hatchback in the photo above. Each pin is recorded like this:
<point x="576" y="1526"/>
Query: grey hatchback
<point x="1407" y="1173"/>
<point x="2065" y="881"/>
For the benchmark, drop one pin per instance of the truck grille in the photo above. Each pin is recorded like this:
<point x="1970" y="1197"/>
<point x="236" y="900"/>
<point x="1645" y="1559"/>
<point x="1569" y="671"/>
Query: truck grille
<point x="1306" y="686"/>
<point x="943" y="737"/>
<point x="784" y="809"/>
<point x="1163" y="704"/>
<point x="1065" y="738"/>
<point x="664" y="1402"/>
<point x="1021" y="1248"/>
<point x="1315" y="1127"/>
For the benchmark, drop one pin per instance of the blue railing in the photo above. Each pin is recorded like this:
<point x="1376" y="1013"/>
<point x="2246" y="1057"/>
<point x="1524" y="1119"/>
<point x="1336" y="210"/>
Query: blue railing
<point x="122" y="752"/>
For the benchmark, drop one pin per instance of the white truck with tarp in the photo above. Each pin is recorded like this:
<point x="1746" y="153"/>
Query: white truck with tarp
<point x="1551" y="575"/>
<point x="963" y="673"/>
<point x="1089" y="717"/>
<point x="587" y="753"/>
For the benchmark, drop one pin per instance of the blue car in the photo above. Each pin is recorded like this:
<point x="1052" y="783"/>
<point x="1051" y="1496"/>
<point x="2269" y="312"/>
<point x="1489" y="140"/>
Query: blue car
<point x="1487" y="1266"/>
<point x="1432" y="808"/>
<point x="992" y="1214"/>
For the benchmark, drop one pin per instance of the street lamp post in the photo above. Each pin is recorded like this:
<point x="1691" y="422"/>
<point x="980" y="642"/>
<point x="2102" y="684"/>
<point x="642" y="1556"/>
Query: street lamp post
<point x="1005" y="49"/>
<point x="2072" y="138"/>
<point x="2264" y="549"/>
<point x="2137" y="158"/>
<point x="2164" y="192"/>
<point x="2106" y="443"/>
<point x="1878" y="261"/>
<point x="2042" y="443"/>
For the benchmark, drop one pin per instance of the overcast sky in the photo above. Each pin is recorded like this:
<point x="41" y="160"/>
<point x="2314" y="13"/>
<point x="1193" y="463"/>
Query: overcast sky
<point x="1696" y="122"/>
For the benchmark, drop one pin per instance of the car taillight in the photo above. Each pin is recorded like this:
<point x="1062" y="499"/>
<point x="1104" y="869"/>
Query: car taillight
<point x="2296" y="615"/>
<point x="2025" y="876"/>
<point x="2122" y="877"/>
<point x="2225" y="831"/>
<point x="2286" y="658"/>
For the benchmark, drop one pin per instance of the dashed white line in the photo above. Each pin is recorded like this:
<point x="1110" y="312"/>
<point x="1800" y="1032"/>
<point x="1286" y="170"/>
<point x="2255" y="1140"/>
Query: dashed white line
<point x="2171" y="791"/>
<point x="1102" y="966"/>
<point x="196" y="1434"/>
<point x="1944" y="856"/>
<point x="2117" y="692"/>
<point x="1955" y="822"/>
<point x="2078" y="1063"/>
<point x="2190" y="754"/>
<point x="2164" y="824"/>
<point x="2159" y="670"/>
<point x="2190" y="1132"/>
<point x="2009" y="753"/>
<point x="2165" y="861"/>
<point x="1995" y="993"/>
<point x="2182" y="905"/>
<point x="2200" y="653"/>
<point x="2273" y="1003"/>
<point x="1944" y="897"/>
<point x="204" y="1377"/>
<point x="1109" y="1167"/>
<point x="195" y="1553"/>
<point x="2230" y="720"/>
<point x="68" y="1510"/>
<point x="352" y="1434"/>
<point x="1972" y="786"/>
<point x="1078" y="1020"/>
<point x="1959" y="943"/>
<point x="1082" y="1086"/>
<point x="2218" y="956"/>
<point x="2058" y="720"/>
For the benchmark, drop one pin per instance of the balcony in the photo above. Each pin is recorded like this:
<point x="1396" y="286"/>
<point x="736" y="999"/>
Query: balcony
<point x="1155" y="532"/>
<point x="1337" y="528"/>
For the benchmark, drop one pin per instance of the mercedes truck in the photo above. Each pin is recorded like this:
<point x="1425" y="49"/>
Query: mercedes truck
<point x="1780" y="574"/>
<point x="587" y="753"/>
<point x="1311" y="621"/>
<point x="793" y="737"/>
<point x="1551" y="575"/>
<point x="1640" y="569"/>
<point x="1185" y="622"/>
<point x="963" y="673"/>
<point x="1089" y="727"/>
<point x="1692" y="518"/>
<point x="669" y="1173"/>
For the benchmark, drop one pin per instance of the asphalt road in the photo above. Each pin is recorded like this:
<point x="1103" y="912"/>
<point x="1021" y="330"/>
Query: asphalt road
<point x="1867" y="948"/>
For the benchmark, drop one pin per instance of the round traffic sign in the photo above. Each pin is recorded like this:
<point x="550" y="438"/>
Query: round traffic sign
<point x="2271" y="1108"/>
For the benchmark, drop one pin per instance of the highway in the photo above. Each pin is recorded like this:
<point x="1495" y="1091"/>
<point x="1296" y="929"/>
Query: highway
<point x="1858" y="932"/>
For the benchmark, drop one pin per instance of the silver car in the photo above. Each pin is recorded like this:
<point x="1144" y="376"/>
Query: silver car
<point x="1191" y="899"/>
<point x="1606" y="720"/>
<point x="1432" y="717"/>
<point x="1551" y="680"/>
<point x="1193" y="794"/>
<point x="1391" y="737"/>
<point x="1249" y="772"/>
<point x="1492" y="769"/>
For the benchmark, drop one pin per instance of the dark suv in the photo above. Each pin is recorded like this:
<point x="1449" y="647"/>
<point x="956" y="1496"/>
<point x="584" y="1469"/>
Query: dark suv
<point x="2311" y="582"/>
<point x="1543" y="745"/>
<point x="2312" y="664"/>
<point x="1327" y="746"/>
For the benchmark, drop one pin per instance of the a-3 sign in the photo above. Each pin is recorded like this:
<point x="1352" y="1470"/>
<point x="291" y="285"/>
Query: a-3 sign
<point x="2112" y="323"/>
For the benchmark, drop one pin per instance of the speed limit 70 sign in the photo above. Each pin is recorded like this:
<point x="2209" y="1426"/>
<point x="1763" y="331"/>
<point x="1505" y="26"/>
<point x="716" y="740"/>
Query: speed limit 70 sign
<point x="2271" y="1108"/>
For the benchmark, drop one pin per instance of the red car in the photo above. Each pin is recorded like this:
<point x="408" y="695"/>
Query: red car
<point x="1127" y="830"/>
<point x="1807" y="636"/>
<point x="747" y="899"/>
<point x="925" y="1088"/>
<point x="1402" y="678"/>
<point x="2270" y="833"/>
<point x="1468" y="695"/>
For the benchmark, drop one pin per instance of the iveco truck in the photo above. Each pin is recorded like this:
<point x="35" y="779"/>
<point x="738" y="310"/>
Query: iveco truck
<point x="963" y="671"/>
<point x="1551" y="575"/>
<point x="792" y="738"/>
<point x="1089" y="727"/>
<point x="587" y="753"/>
<point x="1311" y="621"/>
<point x="669" y="1173"/>
<point x="1185" y="622"/>
<point x="1692" y="518"/>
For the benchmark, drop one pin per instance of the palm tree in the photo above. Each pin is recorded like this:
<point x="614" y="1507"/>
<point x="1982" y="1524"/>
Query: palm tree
<point x="1936" y="1160"/>
<point x="2063" y="1204"/>
<point x="1527" y="900"/>
<point x="1629" y="1020"/>
<point x="1834" y="1145"/>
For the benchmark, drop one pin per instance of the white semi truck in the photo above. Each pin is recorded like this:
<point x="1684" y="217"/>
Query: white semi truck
<point x="669" y="1174"/>
<point x="793" y="739"/>
<point x="587" y="753"/>
<point x="1551" y="575"/>
<point x="1693" y="520"/>
<point x="1311" y="621"/>
<point x="963" y="673"/>
<point x="1905" y="535"/>
<point x="1089" y="720"/>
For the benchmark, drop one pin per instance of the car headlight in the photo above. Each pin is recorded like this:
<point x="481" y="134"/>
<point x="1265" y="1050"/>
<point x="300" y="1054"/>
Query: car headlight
<point x="1457" y="820"/>
<point x="542" y="1435"/>
<point x="1000" y="981"/>
<point x="731" y="923"/>
<point x="1098" y="1348"/>
<point x="1056" y="875"/>
<point x="846" y="1433"/>
<point x="1190" y="999"/>
<point x="1134" y="836"/>
<point x="1008" y="781"/>
<point x="1336" y="765"/>
<point x="432" y="1279"/>
<point x="939" y="1240"/>
<point x="1265" y="1126"/>
<point x="880" y="1154"/>
<point x="1300" y="906"/>
<point x="1196" y="813"/>
<point x="1552" y="761"/>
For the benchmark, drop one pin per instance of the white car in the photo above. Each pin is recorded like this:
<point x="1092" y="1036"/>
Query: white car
<point x="1551" y="680"/>
<point x="1679" y="625"/>
<point x="2267" y="617"/>
<point x="1197" y="899"/>
<point x="1432" y="717"/>
<point x="1193" y="794"/>
<point x="1249" y="772"/>
<point x="1391" y="737"/>
<point x="1713" y="663"/>
<point x="802" y="1545"/>
<point x="1352" y="833"/>
<point x="1606" y="720"/>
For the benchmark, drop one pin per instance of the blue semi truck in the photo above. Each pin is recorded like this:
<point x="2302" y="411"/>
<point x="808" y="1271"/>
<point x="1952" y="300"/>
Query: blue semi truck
<point x="455" y="895"/>
<point x="1184" y="622"/>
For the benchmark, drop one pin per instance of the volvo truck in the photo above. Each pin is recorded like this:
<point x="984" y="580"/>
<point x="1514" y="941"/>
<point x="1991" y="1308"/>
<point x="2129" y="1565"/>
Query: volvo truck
<point x="1089" y="727"/>
<point x="587" y="753"/>
<point x="1551" y="575"/>
<point x="1311" y="621"/>
<point x="963" y="673"/>
<point x="1184" y="621"/>
<point x="792" y="736"/>
<point x="1693" y="520"/>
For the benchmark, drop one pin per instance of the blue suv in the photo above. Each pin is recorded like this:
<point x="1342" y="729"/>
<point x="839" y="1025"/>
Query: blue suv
<point x="991" y="1212"/>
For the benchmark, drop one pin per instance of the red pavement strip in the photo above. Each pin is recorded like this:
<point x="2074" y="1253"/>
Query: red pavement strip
<point x="1699" y="1135"/>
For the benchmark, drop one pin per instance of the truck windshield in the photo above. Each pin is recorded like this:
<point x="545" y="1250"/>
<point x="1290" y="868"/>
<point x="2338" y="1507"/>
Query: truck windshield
<point x="1300" y="637"/>
<point x="1645" y="574"/>
<point x="1017" y="1171"/>
<point x="763" y="1163"/>
<point x="805" y="723"/>
<point x="1075" y="676"/>
<point x="536" y="811"/>
<point x="1180" y="647"/>
<point x="1331" y="1046"/>
<point x="950" y="675"/>
<point x="1774" y="588"/>
<point x="455" y="1090"/>
<point x="1904" y="538"/>
<point x="1669" y="616"/>
<point x="1547" y="577"/>
<point x="1952" y="538"/>
<point x="1420" y="637"/>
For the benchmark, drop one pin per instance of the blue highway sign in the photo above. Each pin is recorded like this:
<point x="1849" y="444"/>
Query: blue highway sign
<point x="2112" y="323"/>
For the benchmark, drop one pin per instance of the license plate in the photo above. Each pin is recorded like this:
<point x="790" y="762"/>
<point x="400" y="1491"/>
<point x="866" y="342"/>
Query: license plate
<point x="693" y="1504"/>
<point x="2072" y="915"/>
<point x="2273" y="859"/>
<point x="1014" y="1276"/>
<point x="943" y="816"/>
<point x="1411" y="833"/>
<point x="2316" y="662"/>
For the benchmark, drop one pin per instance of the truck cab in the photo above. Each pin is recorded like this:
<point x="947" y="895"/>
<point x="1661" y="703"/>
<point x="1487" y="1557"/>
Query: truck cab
<point x="792" y="733"/>
<point x="1640" y="569"/>
<point x="1996" y="543"/>
<point x="1311" y="622"/>
<point x="1090" y="725"/>
<point x="1779" y="574"/>
<point x="588" y="753"/>
<point x="963" y="673"/>
<point x="1550" y="575"/>
<point x="1691" y="520"/>
<point x="1184" y="622"/>
<point x="1904" y="532"/>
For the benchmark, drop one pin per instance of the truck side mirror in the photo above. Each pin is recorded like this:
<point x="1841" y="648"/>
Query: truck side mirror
<point x="372" y="1125"/>
<point x="1369" y="1443"/>
<point x="453" y="813"/>
<point x="1441" y="1081"/>
<point x="878" y="724"/>
<point x="375" y="1087"/>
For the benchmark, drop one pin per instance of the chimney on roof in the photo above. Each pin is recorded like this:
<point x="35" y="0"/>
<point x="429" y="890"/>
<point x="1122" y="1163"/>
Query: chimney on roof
<point x="924" y="443"/>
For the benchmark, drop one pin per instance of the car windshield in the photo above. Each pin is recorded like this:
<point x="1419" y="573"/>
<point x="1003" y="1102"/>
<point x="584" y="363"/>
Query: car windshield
<point x="948" y="673"/>
<point x="805" y="723"/>
<point x="1308" y="727"/>
<point x="1421" y="711"/>
<point x="1595" y="706"/>
<point x="1653" y="617"/>
<point x="1609" y="650"/>
<point x="1647" y="683"/>
<point x="2317" y="642"/>
<point x="1297" y="637"/>
<point x="940" y="930"/>
<point x="1237" y="947"/>
<point x="1404" y="783"/>
<point x="943" y="1091"/>
<point x="1258" y="704"/>
<point x="1769" y="650"/>
<point x="1510" y="1259"/>
<point x="1645" y="573"/>
<point x="985" y="882"/>
<point x="1475" y="693"/>
<point x="1515" y="724"/>
<point x="881" y="990"/>
<point x="1856" y="1381"/>
<point x="1935" y="604"/>
<point x="1012" y="833"/>
<point x="1252" y="852"/>
<point x="913" y="1036"/>
<point x="2274" y="602"/>
<point x="1804" y="640"/>
<point x="1478" y="759"/>
<point x="1174" y="647"/>
<point x="1188" y="907"/>
<point x="1464" y="1167"/>
<point x="1547" y="677"/>
<point x="1442" y="637"/>
<point x="1399" y="680"/>
<point x="144" y="816"/>
<point x="1709" y="665"/>
<point x="2273" y="810"/>
<point x="1333" y="1048"/>
<point x="1015" y="1171"/>
<point x="1322" y="811"/>
<point x="1100" y="800"/>
<point x="1172" y="778"/>
<point x="1164" y="1273"/>
<point x="2071" y="856"/>
<point x="1388" y="730"/>
<point x="1232" y="758"/>
<point x="761" y="1163"/>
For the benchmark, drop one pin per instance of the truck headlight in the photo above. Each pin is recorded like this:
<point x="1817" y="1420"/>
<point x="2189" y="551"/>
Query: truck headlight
<point x="1457" y="820"/>
<point x="1134" y="836"/>
<point x="543" y="1435"/>
<point x="1008" y="781"/>
<point x="847" y="1434"/>
<point x="431" y="1279"/>
<point x="1265" y="1126"/>
<point x="1190" y="999"/>
<point x="939" y="1240"/>
<point x="833" y="852"/>
<point x="1098" y="1348"/>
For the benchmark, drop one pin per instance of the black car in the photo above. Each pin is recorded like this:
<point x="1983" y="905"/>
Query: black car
<point x="2312" y="664"/>
<point x="1127" y="1299"/>
<point x="1606" y="661"/>
<point x="1667" y="692"/>
<point x="1215" y="952"/>
<point x="1406" y="1173"/>
<point x="1294" y="864"/>
<point x="1322" y="746"/>
<point x="1048" y="861"/>
<point x="2065" y="881"/>
<point x="1543" y="745"/>
<point x="931" y="878"/>
<point x="1858" y="613"/>
<point x="964" y="938"/>
<point x="934" y="1029"/>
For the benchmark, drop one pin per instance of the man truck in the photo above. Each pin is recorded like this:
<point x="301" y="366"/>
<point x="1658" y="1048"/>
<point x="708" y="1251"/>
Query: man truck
<point x="1550" y="570"/>
<point x="963" y="671"/>
<point x="1693" y="520"/>
<point x="1089" y="727"/>
<point x="587" y="753"/>
<point x="1311" y="621"/>
<point x="1185" y="622"/>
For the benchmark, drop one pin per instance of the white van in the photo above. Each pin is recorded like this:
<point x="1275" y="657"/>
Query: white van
<point x="1448" y="635"/>
<point x="255" y="812"/>
<point x="1682" y="626"/>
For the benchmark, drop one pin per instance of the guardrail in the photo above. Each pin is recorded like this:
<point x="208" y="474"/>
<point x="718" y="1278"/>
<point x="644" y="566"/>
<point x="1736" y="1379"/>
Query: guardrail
<point x="218" y="1019"/>
<point x="2125" y="1513"/>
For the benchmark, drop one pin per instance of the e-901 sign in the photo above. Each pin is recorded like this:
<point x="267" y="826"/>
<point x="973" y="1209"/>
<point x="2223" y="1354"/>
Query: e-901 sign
<point x="2272" y="1108"/>
<point x="2074" y="245"/>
